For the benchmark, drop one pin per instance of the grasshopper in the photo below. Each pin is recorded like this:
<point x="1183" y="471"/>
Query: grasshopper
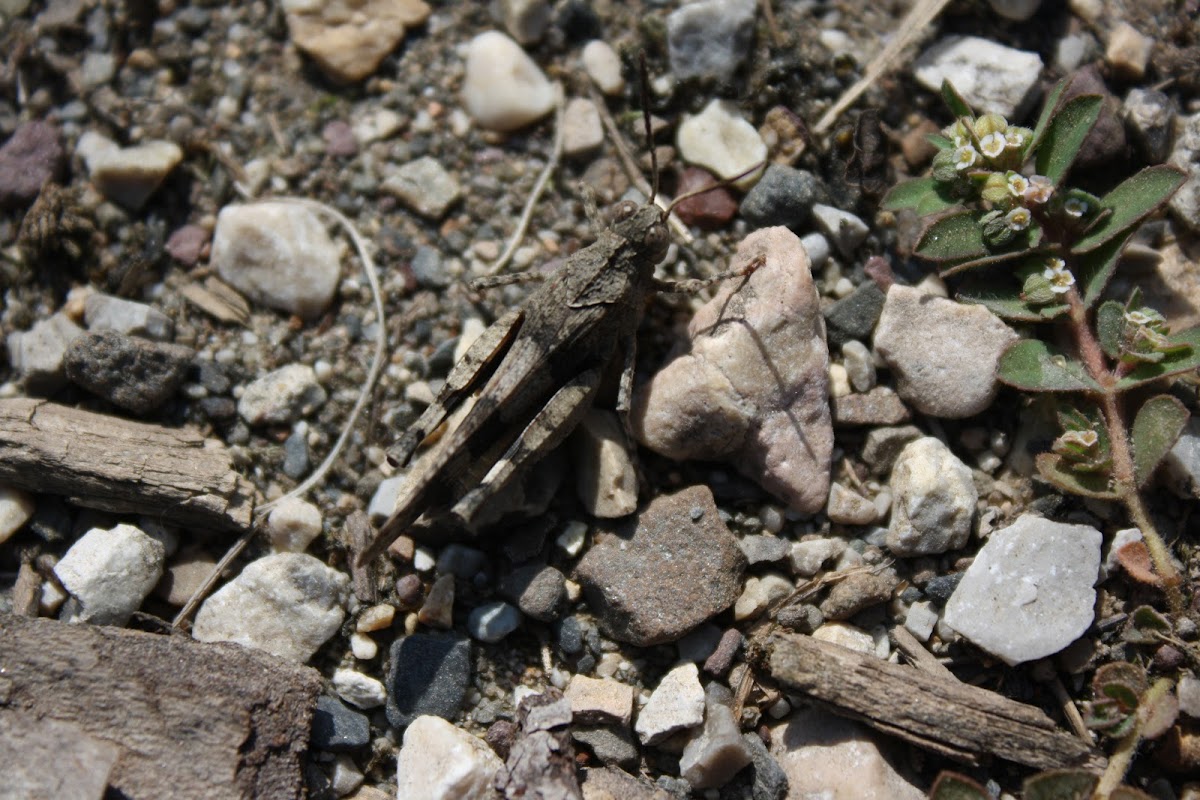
<point x="534" y="373"/>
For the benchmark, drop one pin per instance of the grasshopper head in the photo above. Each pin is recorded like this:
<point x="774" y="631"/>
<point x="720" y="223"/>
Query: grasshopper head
<point x="645" y="227"/>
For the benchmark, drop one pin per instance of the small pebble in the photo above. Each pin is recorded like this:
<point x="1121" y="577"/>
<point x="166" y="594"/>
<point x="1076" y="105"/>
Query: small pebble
<point x="934" y="500"/>
<point x="135" y="374"/>
<point x="293" y="524"/>
<point x="428" y="674"/>
<point x="603" y="66"/>
<point x="491" y="622"/>
<point x="358" y="689"/>
<point x="438" y="609"/>
<point x="104" y="312"/>
<point x="722" y="142"/>
<point x="346" y="776"/>
<point x="38" y="354"/>
<point x="363" y="647"/>
<point x="348" y="43"/>
<point x="677" y="704"/>
<point x="29" y="158"/>
<point x="109" y="573"/>
<point x="847" y="507"/>
<point x="16" y="507"/>
<point x="992" y="78"/>
<point x="606" y="479"/>
<point x="786" y="196"/>
<point x="337" y="728"/>
<point x="424" y="186"/>
<point x="526" y="20"/>
<point x="600" y="702"/>
<point x="186" y="244"/>
<point x="710" y="39"/>
<point x="921" y="619"/>
<point x="710" y="209"/>
<point x="376" y="618"/>
<point x="719" y="752"/>
<point x="1128" y="51"/>
<point x="127" y="175"/>
<point x="844" y="229"/>
<point x="503" y="88"/>
<point x="860" y="365"/>
<point x="439" y="761"/>
<point x="281" y="397"/>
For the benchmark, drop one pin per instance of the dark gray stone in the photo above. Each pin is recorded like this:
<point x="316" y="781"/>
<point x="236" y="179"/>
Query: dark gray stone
<point x="784" y="196"/>
<point x="610" y="744"/>
<point x="539" y="590"/>
<point x="802" y="618"/>
<point x="941" y="587"/>
<point x="135" y="374"/>
<point x="768" y="781"/>
<point x="855" y="315"/>
<point x="429" y="674"/>
<point x="338" y="728"/>
<point x="709" y="39"/>
<point x="569" y="634"/>
<point x="295" y="454"/>
<point x="428" y="268"/>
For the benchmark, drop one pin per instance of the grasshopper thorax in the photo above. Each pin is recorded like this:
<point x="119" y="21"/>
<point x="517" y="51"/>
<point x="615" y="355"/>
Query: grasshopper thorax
<point x="645" y="227"/>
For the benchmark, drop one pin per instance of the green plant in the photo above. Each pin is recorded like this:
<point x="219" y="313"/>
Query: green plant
<point x="1035" y="250"/>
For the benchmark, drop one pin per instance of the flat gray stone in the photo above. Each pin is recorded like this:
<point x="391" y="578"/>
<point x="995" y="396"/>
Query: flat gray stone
<point x="424" y="186"/>
<point x="1029" y="593"/>
<point x="992" y="78"/>
<point x="133" y="373"/>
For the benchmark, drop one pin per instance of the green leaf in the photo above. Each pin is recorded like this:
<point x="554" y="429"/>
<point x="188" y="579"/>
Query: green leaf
<point x="1066" y="784"/>
<point x="958" y="267"/>
<point x="1057" y="470"/>
<point x="940" y="141"/>
<point x="952" y="786"/>
<point x="1094" y="270"/>
<point x="1155" y="430"/>
<point x="1047" y="115"/>
<point x="1123" y="681"/>
<point x="1110" y="321"/>
<point x="1065" y="133"/>
<point x="1000" y="294"/>
<point x="954" y="101"/>
<point x="1130" y="202"/>
<point x="955" y="237"/>
<point x="924" y="196"/>
<point x="1146" y="626"/>
<point x="1035" y="366"/>
<point x="1182" y="360"/>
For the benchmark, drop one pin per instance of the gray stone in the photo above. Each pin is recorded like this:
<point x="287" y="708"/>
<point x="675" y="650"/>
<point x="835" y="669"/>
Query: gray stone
<point x="503" y="89"/>
<point x="461" y="561"/>
<point x="855" y="315"/>
<point x="1149" y="118"/>
<point x="718" y="752"/>
<point x="1182" y="464"/>
<point x="1016" y="10"/>
<point x="858" y="591"/>
<point x="767" y="779"/>
<point x="37" y="354"/>
<point x="783" y="196"/>
<point x="288" y="604"/>
<point x="32" y="156"/>
<point x="761" y="548"/>
<point x="525" y="20"/>
<point x="491" y="622"/>
<point x="429" y="268"/>
<point x="582" y="132"/>
<point x="277" y="254"/>
<point x="281" y="397"/>
<point x="424" y="186"/>
<point x="844" y="229"/>
<point x="677" y="704"/>
<point x="933" y="500"/>
<point x="127" y="175"/>
<point x="710" y="39"/>
<point x="109" y="573"/>
<point x="847" y="507"/>
<point x="944" y="354"/>
<point x="1185" y="203"/>
<point x="883" y="445"/>
<point x="295" y="453"/>
<point x="611" y="744"/>
<point x="337" y="728"/>
<point x="429" y="674"/>
<point x="136" y="374"/>
<point x="1029" y="592"/>
<point x="752" y="386"/>
<point x="699" y="643"/>
<point x="992" y="78"/>
<point x="663" y="572"/>
<point x="538" y="590"/>
<point x="102" y="312"/>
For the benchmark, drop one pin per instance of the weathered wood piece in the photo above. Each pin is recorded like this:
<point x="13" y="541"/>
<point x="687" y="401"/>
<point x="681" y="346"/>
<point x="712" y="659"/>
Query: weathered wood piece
<point x="115" y="464"/>
<point x="166" y="716"/>
<point x="955" y="719"/>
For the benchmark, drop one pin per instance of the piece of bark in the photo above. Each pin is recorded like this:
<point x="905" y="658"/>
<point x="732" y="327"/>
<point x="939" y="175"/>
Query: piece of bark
<point x="955" y="719"/>
<point x="187" y="719"/>
<point x="171" y="474"/>
<point x="541" y="762"/>
<point x="357" y="534"/>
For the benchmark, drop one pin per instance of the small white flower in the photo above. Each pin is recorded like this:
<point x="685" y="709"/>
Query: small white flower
<point x="1060" y="278"/>
<point x="1086" y="439"/>
<point x="1014" y="139"/>
<point x="992" y="145"/>
<point x="1017" y="184"/>
<point x="1137" y="318"/>
<point x="1018" y="219"/>
<point x="1075" y="207"/>
<point x="1039" y="190"/>
<point x="964" y="157"/>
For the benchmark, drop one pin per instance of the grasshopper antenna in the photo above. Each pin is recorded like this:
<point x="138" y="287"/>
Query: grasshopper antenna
<point x="726" y="182"/>
<point x="644" y="73"/>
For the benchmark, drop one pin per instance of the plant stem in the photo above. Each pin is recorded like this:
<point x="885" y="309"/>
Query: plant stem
<point x="1122" y="757"/>
<point x="1123" y="474"/>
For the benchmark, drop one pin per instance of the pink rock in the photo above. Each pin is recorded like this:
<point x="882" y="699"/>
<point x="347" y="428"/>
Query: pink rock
<point x="709" y="210"/>
<point x="186" y="244"/>
<point x="752" y="385"/>
<point x="31" y="156"/>
<point x="339" y="139"/>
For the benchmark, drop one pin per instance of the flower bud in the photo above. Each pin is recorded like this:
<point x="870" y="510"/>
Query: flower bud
<point x="989" y="124"/>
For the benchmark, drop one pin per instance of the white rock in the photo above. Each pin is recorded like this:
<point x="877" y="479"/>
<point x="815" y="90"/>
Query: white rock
<point x="1119" y="540"/>
<point x="860" y="366"/>
<point x="709" y="39"/>
<point x="808" y="557"/>
<point x="848" y="507"/>
<point x="603" y="66"/>
<point x="717" y="752"/>
<point x="572" y="539"/>
<point x="358" y="689"/>
<point x="934" y="500"/>
<point x="439" y="761"/>
<point x="818" y="249"/>
<point x="363" y="647"/>
<point x="847" y="636"/>
<point x="282" y="396"/>
<point x="992" y="78"/>
<point x="944" y="354"/>
<point x="599" y="702"/>
<point x="102" y="312"/>
<point x="1185" y="203"/>
<point x="844" y="229"/>
<point x="37" y="354"/>
<point x="503" y="89"/>
<point x="293" y="524"/>
<point x="828" y="757"/>
<point x="376" y="125"/>
<point x="109" y="573"/>
<point x="491" y="622"/>
<point x="722" y="142"/>
<point x="677" y="704"/>
<point x="383" y="502"/>
<point x="921" y="619"/>
<point x="277" y="254"/>
<point x="51" y="599"/>
<point x="424" y="186"/>
<point x="582" y="130"/>
<point x="759" y="593"/>
<point x="1028" y="594"/>
<point x="127" y="175"/>
<point x="1188" y="691"/>
<point x="16" y="507"/>
<point x="605" y="477"/>
<point x="525" y="20"/>
<point x="288" y="604"/>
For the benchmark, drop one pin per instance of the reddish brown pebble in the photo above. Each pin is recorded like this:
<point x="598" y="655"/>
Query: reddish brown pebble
<point x="409" y="593"/>
<point x="709" y="210"/>
<point x="916" y="147"/>
<point x="339" y="139"/>
<point x="500" y="737"/>
<point x="31" y="156"/>
<point x="186" y="244"/>
<point x="721" y="659"/>
<point x="403" y="549"/>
